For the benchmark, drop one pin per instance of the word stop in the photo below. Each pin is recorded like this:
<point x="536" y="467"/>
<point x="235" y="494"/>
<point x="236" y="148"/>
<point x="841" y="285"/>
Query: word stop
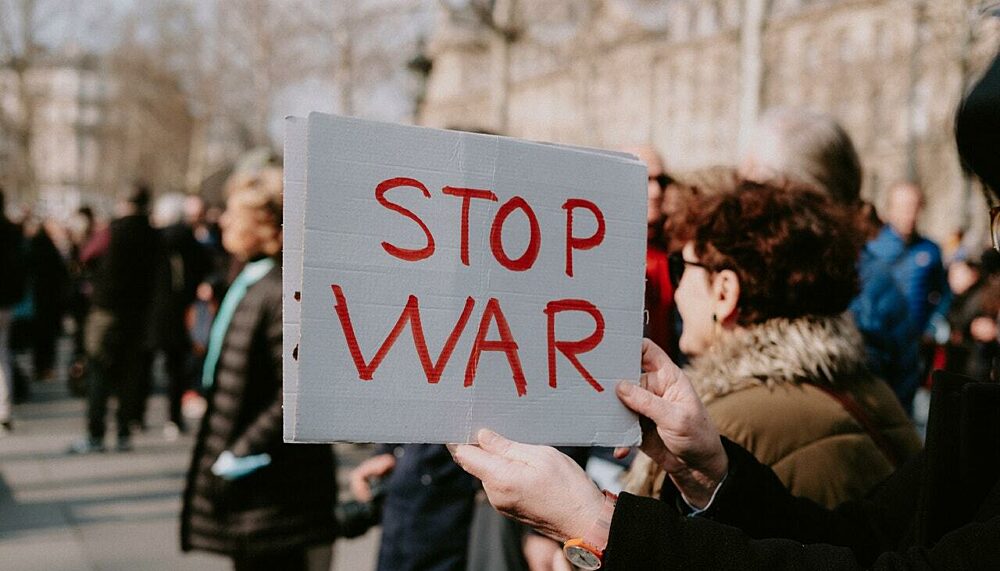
<point x="519" y="264"/>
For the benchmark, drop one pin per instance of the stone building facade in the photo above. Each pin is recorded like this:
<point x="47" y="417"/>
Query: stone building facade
<point x="95" y="128"/>
<point x="692" y="76"/>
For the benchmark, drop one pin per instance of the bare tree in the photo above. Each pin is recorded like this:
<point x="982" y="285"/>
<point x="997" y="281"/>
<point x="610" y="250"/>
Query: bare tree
<point x="22" y="22"/>
<point x="498" y="18"/>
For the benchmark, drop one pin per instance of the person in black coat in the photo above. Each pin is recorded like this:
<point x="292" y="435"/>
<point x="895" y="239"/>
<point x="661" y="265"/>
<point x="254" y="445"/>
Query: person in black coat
<point x="427" y="509"/>
<point x="721" y="509"/>
<point x="183" y="264"/>
<point x="249" y="496"/>
<point x="50" y="281"/>
<point x="12" y="289"/>
<point x="116" y="335"/>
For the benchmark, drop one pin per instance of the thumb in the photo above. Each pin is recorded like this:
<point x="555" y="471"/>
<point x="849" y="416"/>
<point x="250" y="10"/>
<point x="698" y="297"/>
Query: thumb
<point x="495" y="444"/>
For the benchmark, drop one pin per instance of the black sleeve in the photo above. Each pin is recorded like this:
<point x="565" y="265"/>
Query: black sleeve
<point x="755" y="523"/>
<point x="265" y="432"/>
<point x="754" y="500"/>
<point x="646" y="534"/>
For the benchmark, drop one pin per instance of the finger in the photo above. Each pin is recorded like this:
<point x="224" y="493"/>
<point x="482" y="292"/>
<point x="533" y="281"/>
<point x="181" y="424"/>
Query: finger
<point x="621" y="453"/>
<point x="653" y="357"/>
<point x="642" y="402"/>
<point x="478" y="462"/>
<point x="382" y="464"/>
<point x="361" y="491"/>
<point x="661" y="371"/>
<point x="493" y="442"/>
<point x="359" y="487"/>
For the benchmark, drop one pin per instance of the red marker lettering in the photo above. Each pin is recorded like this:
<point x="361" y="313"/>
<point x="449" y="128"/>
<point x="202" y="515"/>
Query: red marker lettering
<point x="576" y="242"/>
<point x="530" y="254"/>
<point x="505" y="344"/>
<point x="409" y="255"/>
<point x="467" y="195"/>
<point x="573" y="348"/>
<point x="411" y="313"/>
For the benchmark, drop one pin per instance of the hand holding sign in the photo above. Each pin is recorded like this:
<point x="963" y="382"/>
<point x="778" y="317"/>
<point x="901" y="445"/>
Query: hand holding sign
<point x="451" y="281"/>
<point x="676" y="430"/>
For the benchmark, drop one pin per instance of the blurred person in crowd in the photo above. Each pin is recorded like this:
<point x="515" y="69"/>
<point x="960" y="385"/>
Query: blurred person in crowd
<point x="723" y="509"/>
<point x="198" y="320"/>
<point x="204" y="223"/>
<point x="117" y="327"/>
<point x="811" y="148"/>
<point x="659" y="295"/>
<point x="427" y="509"/>
<point x="50" y="282"/>
<point x="972" y="316"/>
<point x="916" y="260"/>
<point x="763" y="281"/>
<point x="82" y="230"/>
<point x="183" y="265"/>
<point x="22" y="329"/>
<point x="917" y="266"/>
<point x="12" y="287"/>
<point x="263" y="503"/>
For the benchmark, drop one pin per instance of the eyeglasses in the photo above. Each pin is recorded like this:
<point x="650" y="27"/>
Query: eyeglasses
<point x="676" y="264"/>
<point x="995" y="226"/>
<point x="662" y="180"/>
<point x="994" y="217"/>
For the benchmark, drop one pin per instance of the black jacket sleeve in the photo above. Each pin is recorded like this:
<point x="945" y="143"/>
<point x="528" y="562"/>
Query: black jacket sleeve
<point x="646" y="534"/>
<point x="265" y="432"/>
<point x="755" y="523"/>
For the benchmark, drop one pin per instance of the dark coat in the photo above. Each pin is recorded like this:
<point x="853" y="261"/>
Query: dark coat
<point x="183" y="264"/>
<point x="123" y="279"/>
<point x="50" y="282"/>
<point x="12" y="263"/>
<point x="288" y="504"/>
<point x="940" y="511"/>
<point x="427" y="511"/>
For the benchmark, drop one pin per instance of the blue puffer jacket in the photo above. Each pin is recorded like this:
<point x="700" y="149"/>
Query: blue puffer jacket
<point x="918" y="271"/>
<point x="882" y="314"/>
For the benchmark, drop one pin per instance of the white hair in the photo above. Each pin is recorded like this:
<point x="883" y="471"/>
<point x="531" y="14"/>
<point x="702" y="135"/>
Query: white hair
<point x="169" y="209"/>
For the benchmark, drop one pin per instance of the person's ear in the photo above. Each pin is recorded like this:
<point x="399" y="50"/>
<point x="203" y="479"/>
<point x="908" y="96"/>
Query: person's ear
<point x="726" y="296"/>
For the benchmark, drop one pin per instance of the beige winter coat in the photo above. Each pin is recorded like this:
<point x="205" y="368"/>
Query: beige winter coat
<point x="759" y="385"/>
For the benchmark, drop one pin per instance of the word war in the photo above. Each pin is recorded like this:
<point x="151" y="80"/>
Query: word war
<point x="507" y="344"/>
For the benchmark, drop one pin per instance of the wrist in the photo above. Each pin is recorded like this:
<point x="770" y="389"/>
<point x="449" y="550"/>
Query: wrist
<point x="587" y="516"/>
<point x="586" y="551"/>
<point x="698" y="487"/>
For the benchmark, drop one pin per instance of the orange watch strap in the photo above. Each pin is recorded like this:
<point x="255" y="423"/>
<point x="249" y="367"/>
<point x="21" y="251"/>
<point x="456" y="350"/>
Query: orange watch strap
<point x="595" y="540"/>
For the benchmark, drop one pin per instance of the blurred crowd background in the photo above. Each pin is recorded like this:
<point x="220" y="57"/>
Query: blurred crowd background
<point x="118" y="117"/>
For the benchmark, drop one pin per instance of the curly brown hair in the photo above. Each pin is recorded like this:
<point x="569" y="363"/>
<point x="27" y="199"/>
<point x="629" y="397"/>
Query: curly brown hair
<point x="793" y="249"/>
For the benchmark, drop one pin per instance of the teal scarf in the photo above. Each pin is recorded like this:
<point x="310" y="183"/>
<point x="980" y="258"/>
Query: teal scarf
<point x="251" y="274"/>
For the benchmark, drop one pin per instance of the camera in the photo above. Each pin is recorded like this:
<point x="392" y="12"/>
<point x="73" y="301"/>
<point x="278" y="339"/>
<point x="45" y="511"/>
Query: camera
<point x="355" y="518"/>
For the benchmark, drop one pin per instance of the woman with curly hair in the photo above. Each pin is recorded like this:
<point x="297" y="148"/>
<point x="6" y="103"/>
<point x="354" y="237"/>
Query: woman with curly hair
<point x="763" y="283"/>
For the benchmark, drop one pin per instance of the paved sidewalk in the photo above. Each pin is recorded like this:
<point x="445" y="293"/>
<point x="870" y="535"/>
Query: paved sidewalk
<point x="106" y="511"/>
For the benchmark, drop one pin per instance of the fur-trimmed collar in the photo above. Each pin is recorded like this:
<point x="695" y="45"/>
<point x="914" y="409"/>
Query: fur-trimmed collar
<point x="808" y="349"/>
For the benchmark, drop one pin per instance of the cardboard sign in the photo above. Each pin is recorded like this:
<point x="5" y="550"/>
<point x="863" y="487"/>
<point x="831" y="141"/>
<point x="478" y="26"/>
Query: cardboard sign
<point x="439" y="282"/>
